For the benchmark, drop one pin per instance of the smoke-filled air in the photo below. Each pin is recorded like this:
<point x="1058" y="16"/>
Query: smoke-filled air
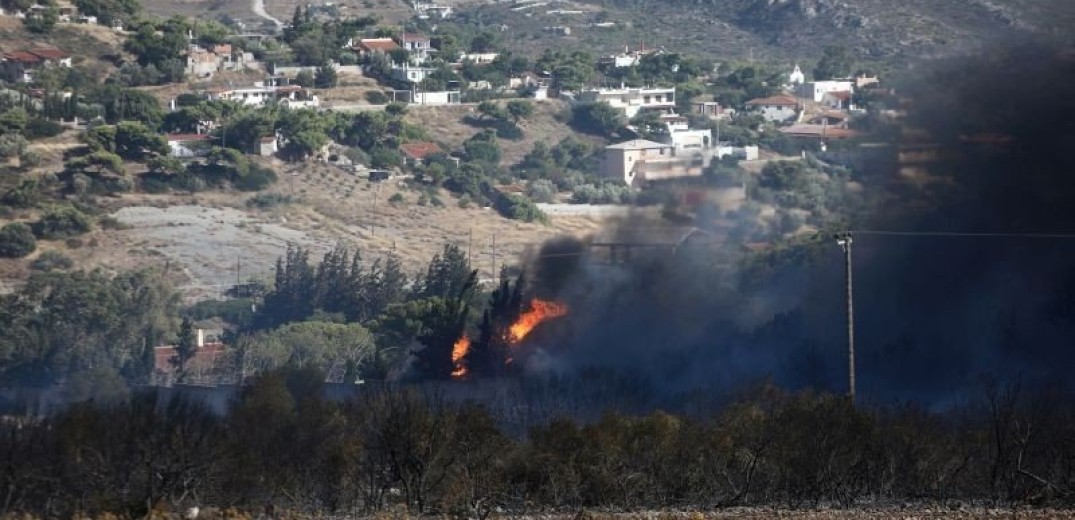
<point x="963" y="255"/>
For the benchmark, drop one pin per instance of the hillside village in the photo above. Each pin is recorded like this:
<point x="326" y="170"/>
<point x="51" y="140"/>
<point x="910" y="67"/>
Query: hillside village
<point x="440" y="112"/>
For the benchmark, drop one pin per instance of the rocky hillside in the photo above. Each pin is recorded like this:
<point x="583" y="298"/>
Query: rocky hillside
<point x="878" y="28"/>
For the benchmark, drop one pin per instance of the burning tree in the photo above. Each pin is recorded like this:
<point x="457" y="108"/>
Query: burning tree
<point x="504" y="325"/>
<point x="491" y="354"/>
<point x="445" y="324"/>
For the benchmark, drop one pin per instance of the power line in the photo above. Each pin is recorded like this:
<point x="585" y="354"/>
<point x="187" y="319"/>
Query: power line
<point x="965" y="234"/>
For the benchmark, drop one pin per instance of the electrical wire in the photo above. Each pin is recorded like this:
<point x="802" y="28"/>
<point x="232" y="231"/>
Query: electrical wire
<point x="869" y="232"/>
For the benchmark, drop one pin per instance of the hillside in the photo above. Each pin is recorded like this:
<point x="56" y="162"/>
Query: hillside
<point x="784" y="29"/>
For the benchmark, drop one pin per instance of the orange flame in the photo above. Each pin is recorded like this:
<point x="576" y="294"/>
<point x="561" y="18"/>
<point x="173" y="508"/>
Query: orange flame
<point x="459" y="350"/>
<point x="540" y="311"/>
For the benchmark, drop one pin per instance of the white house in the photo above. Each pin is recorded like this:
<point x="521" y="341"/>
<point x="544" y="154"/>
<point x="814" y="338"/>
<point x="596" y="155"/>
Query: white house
<point x="745" y="153"/>
<point x="268" y="146"/>
<point x="816" y="90"/>
<point x="632" y="100"/>
<point x="433" y="10"/>
<point x="413" y="74"/>
<point x="776" y="108"/>
<point x="628" y="58"/>
<point x="446" y="97"/>
<point x="628" y="160"/>
<point x="289" y="96"/>
<point x="479" y="58"/>
<point x="693" y="140"/>
<point x="840" y="100"/>
<point x="186" y="146"/>
<point x="417" y="44"/>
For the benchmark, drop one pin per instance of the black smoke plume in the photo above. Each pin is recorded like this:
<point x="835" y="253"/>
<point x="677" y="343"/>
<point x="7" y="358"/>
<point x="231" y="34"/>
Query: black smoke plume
<point x="936" y="314"/>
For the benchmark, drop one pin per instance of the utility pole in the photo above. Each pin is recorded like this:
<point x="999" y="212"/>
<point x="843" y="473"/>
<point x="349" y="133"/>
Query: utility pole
<point x="844" y="241"/>
<point x="493" y="274"/>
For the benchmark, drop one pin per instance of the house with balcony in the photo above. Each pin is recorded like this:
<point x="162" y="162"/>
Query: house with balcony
<point x="418" y="45"/>
<point x="411" y="73"/>
<point x="632" y="100"/>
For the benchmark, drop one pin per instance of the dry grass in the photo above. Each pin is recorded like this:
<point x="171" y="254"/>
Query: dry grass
<point x="446" y="125"/>
<point x="90" y="45"/>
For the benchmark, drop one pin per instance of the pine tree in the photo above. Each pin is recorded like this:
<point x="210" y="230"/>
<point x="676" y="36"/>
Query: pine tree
<point x="489" y="356"/>
<point x="445" y="325"/>
<point x="446" y="275"/>
<point x="186" y="347"/>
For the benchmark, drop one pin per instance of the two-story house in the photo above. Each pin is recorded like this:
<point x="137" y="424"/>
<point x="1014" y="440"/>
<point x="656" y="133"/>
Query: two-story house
<point x="632" y="100"/>
<point x="640" y="161"/>
<point x="418" y="45"/>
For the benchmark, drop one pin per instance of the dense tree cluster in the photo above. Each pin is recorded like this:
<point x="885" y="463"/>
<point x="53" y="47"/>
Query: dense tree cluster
<point x="283" y="444"/>
<point x="62" y="325"/>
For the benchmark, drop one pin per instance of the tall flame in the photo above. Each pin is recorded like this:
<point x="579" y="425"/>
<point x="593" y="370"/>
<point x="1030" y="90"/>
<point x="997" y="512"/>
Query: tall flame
<point x="459" y="350"/>
<point x="540" y="311"/>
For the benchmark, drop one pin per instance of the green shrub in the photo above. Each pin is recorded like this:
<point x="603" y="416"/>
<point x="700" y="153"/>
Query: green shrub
<point x="236" y="312"/>
<point x="256" y="178"/>
<point x="29" y="159"/>
<point x="38" y="128"/>
<point x="52" y="261"/>
<point x="110" y="222"/>
<point x="61" y="222"/>
<point x="518" y="207"/>
<point x="376" y="97"/>
<point x="269" y="200"/>
<point x="25" y="195"/>
<point x="16" y="240"/>
<point x="396" y="199"/>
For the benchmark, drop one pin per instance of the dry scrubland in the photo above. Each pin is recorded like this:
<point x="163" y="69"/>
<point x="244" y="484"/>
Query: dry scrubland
<point x="208" y="239"/>
<point x="731" y="513"/>
<point x="446" y="126"/>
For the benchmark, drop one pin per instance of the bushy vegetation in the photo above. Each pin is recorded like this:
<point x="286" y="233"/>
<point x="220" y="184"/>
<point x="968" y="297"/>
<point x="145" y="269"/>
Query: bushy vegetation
<point x="52" y="261"/>
<point x="16" y="240"/>
<point x="284" y="444"/>
<point x="61" y="222"/>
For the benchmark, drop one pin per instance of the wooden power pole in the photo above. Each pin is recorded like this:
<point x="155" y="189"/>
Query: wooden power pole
<point x="844" y="240"/>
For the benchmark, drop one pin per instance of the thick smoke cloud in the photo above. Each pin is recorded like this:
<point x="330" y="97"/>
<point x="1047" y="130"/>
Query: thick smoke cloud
<point x="935" y="315"/>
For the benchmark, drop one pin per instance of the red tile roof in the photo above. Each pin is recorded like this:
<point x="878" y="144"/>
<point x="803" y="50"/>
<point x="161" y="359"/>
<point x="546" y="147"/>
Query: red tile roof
<point x="377" y="45"/>
<point x="781" y="100"/>
<point x="21" y="57"/>
<point x="188" y="137"/>
<point x="419" y="151"/>
<point x="409" y="37"/>
<point x="49" y="54"/>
